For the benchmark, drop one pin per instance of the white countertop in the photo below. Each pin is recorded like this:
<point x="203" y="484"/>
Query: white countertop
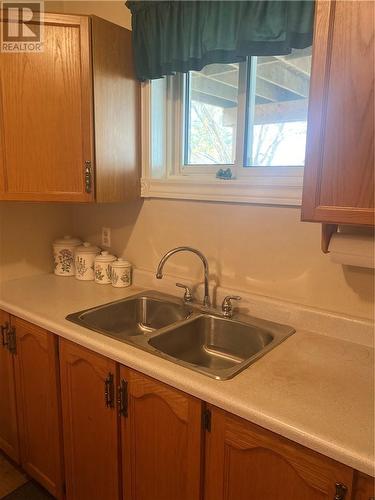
<point x="313" y="389"/>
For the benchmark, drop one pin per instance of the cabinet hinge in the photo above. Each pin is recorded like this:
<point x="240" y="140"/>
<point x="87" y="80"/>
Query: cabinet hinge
<point x="109" y="391"/>
<point x="88" y="176"/>
<point x="206" y="419"/>
<point x="122" y="401"/>
<point x="12" y="342"/>
<point x="4" y="334"/>
<point x="341" y="490"/>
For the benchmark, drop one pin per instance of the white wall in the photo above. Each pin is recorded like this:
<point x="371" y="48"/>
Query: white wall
<point x="26" y="233"/>
<point x="265" y="250"/>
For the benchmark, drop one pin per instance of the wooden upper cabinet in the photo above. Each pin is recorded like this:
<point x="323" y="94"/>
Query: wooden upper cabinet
<point x="161" y="441"/>
<point x="117" y="113"/>
<point x="244" y="461"/>
<point x="47" y="115"/>
<point x="38" y="404"/>
<point x="8" y="414"/>
<point x="90" y="424"/>
<point x="50" y="147"/>
<point x="339" y="173"/>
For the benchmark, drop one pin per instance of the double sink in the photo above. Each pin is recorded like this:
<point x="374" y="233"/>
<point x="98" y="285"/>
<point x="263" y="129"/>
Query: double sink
<point x="197" y="338"/>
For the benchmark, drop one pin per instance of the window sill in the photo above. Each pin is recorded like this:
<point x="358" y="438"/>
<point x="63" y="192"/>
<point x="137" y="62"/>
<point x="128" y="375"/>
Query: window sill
<point x="279" y="191"/>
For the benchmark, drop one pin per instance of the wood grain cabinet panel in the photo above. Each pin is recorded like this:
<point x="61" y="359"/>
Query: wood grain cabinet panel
<point x="364" y="487"/>
<point x="46" y="118"/>
<point x="161" y="441"/>
<point x="246" y="462"/>
<point x="51" y="147"/>
<point x="39" y="413"/>
<point x="90" y="424"/>
<point x="117" y="113"/>
<point x="339" y="173"/>
<point x="8" y="414"/>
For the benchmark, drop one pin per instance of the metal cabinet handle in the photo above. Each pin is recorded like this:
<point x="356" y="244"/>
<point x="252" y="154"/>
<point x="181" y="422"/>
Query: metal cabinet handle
<point x="88" y="176"/>
<point x="109" y="391"/>
<point x="341" y="490"/>
<point x="122" y="401"/>
<point x="4" y="333"/>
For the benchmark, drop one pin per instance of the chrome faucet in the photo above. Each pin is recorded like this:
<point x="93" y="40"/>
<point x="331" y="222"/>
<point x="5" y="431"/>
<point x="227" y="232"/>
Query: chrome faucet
<point x="159" y="271"/>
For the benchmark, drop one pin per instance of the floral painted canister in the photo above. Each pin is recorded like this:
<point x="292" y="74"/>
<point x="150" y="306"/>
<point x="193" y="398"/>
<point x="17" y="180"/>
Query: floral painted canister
<point x="63" y="255"/>
<point x="102" y="268"/>
<point x="84" y="261"/>
<point x="121" y="273"/>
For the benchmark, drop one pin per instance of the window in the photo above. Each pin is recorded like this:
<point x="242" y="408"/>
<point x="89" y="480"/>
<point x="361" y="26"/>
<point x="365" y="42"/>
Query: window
<point x="211" y="103"/>
<point x="231" y="129"/>
<point x="278" y="90"/>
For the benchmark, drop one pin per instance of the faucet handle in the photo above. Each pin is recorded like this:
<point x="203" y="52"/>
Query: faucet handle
<point x="227" y="307"/>
<point x="188" y="295"/>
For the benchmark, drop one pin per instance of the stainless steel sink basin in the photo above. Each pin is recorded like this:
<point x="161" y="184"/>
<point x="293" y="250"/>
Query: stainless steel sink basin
<point x="219" y="347"/>
<point x="212" y="342"/>
<point x="199" y="339"/>
<point x="132" y="316"/>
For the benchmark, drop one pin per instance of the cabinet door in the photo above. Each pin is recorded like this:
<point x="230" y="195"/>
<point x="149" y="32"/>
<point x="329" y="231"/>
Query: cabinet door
<point x="364" y="487"/>
<point x="339" y="173"/>
<point x="8" y="414"/>
<point x="45" y="119"/>
<point x="246" y="462"/>
<point x="90" y="424"/>
<point x="37" y="384"/>
<point x="161" y="441"/>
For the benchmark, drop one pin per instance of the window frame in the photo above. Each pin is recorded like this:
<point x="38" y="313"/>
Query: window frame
<point x="274" y="185"/>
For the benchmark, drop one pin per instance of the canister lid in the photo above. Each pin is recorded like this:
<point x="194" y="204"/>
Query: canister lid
<point x="105" y="256"/>
<point x="87" y="248"/>
<point x="121" y="263"/>
<point x="68" y="240"/>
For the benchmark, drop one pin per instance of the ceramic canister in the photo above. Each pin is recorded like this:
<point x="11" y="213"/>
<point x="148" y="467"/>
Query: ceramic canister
<point x="121" y="273"/>
<point x="84" y="261"/>
<point x="102" y="267"/>
<point x="63" y="255"/>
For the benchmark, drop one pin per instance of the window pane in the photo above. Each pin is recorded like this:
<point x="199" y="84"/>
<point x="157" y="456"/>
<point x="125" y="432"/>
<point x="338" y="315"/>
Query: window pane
<point x="277" y="109"/>
<point x="211" y="115"/>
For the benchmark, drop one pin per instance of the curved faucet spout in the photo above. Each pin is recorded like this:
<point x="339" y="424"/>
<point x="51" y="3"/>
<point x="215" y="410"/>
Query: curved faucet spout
<point x="159" y="271"/>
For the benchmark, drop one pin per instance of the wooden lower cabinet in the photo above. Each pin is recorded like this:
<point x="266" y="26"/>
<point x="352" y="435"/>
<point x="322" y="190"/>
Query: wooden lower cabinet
<point x="38" y="403"/>
<point x="246" y="462"/>
<point x="8" y="414"/>
<point x="90" y="424"/>
<point x="364" y="487"/>
<point x="130" y="437"/>
<point x="161" y="440"/>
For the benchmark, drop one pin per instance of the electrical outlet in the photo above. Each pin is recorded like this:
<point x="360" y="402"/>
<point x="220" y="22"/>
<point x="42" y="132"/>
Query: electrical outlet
<point x="106" y="237"/>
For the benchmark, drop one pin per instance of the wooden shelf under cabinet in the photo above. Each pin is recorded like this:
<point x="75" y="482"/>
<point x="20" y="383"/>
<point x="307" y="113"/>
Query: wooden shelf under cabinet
<point x="69" y="128"/>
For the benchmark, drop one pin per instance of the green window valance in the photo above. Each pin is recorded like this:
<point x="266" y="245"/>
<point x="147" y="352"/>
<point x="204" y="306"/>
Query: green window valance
<point x="179" y="36"/>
